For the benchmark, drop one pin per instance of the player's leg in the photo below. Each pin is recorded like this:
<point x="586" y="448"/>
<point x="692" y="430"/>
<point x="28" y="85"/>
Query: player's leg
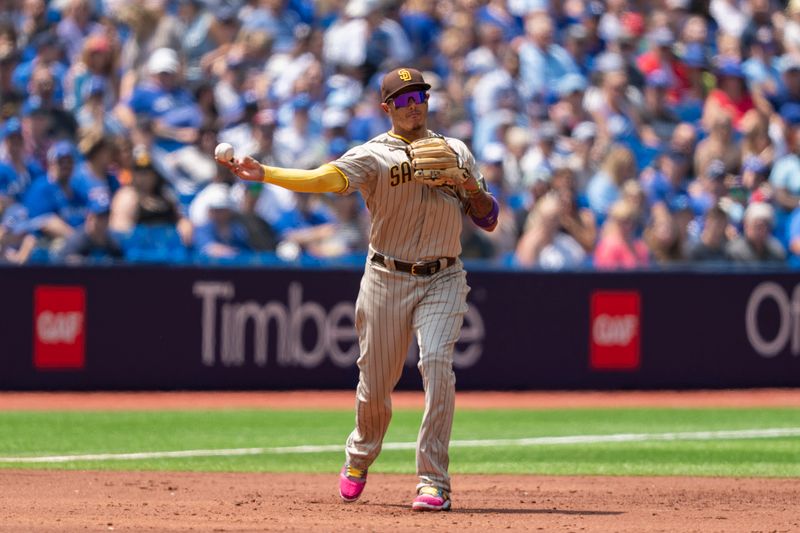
<point x="437" y="322"/>
<point x="383" y="320"/>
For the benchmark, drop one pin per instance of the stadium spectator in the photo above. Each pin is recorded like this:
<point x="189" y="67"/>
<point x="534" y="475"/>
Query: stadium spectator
<point x="18" y="169"/>
<point x="657" y="113"/>
<point x="295" y="144"/>
<point x="486" y="56"/>
<point x="98" y="60"/>
<point x="222" y="236"/>
<point x="345" y="234"/>
<point x="16" y="244"/>
<point x="53" y="200"/>
<point x="684" y="139"/>
<point x="421" y="24"/>
<point x="633" y="193"/>
<point x="666" y="179"/>
<point x="713" y="240"/>
<point x="699" y="80"/>
<point x="275" y="17"/>
<point x="604" y="187"/>
<point x="575" y="220"/>
<point x="93" y="113"/>
<point x="542" y="61"/>
<point x="763" y="77"/>
<point x="731" y="96"/>
<point x="661" y="56"/>
<point x="785" y="175"/>
<point x="515" y="145"/>
<point x="729" y="16"/>
<point x="791" y="30"/>
<point x="34" y="19"/>
<point x="710" y="188"/>
<point x="9" y="59"/>
<point x="663" y="237"/>
<point x="756" y="244"/>
<point x="755" y="138"/>
<point x="261" y="236"/>
<point x="47" y="57"/>
<point x="503" y="239"/>
<point x="719" y="145"/>
<point x="618" y="247"/>
<point x="788" y="90"/>
<point x="755" y="175"/>
<point x="162" y="99"/>
<point x="575" y="43"/>
<point x="543" y="156"/>
<point x="197" y="36"/>
<point x="147" y="201"/>
<point x="793" y="238"/>
<point x="582" y="158"/>
<point x="542" y="245"/>
<point x="310" y="220"/>
<point x="95" y="171"/>
<point x="499" y="86"/>
<point x="93" y="240"/>
<point x="77" y="23"/>
<point x="150" y="29"/>
<point x="614" y="106"/>
<point x="191" y="167"/>
<point x="198" y="208"/>
<point x="568" y="111"/>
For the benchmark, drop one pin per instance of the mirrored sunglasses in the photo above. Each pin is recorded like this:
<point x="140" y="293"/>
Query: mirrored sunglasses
<point x="405" y="99"/>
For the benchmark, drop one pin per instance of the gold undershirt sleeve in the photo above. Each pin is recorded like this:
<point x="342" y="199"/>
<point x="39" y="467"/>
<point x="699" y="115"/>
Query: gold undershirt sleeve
<point x="326" y="178"/>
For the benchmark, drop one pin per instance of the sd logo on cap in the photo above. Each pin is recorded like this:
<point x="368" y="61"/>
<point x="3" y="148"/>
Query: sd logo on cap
<point x="401" y="79"/>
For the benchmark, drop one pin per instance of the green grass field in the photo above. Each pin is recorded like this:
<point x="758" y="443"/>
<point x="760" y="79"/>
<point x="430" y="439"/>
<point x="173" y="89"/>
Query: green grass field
<point x="649" y="452"/>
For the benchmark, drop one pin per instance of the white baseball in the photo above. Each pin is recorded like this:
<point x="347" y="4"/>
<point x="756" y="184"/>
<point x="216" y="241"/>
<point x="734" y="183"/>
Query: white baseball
<point x="224" y="152"/>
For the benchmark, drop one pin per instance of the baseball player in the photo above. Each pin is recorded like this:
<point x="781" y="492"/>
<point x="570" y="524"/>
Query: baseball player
<point x="416" y="185"/>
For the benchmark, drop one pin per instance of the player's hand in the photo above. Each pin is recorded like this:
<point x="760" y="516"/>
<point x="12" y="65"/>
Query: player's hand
<point x="246" y="168"/>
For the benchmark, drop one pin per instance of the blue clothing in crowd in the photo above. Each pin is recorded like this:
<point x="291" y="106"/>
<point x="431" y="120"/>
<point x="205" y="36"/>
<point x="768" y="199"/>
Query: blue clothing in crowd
<point x="209" y="233"/>
<point x="175" y="108"/>
<point x="48" y="197"/>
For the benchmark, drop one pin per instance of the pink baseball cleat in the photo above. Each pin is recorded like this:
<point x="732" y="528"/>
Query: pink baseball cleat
<point x="431" y="499"/>
<point x="351" y="483"/>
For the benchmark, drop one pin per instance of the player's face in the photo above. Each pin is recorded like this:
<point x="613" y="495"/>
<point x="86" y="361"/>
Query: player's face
<point x="408" y="111"/>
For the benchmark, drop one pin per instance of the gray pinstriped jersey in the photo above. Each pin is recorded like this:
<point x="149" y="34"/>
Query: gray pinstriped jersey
<point x="410" y="221"/>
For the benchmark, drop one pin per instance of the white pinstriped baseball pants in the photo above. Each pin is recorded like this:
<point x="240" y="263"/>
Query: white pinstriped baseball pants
<point x="391" y="306"/>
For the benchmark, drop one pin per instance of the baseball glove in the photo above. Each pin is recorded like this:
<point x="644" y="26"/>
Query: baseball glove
<point x="435" y="163"/>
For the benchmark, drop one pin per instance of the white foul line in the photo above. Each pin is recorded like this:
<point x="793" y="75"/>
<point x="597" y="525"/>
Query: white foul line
<point x="534" y="441"/>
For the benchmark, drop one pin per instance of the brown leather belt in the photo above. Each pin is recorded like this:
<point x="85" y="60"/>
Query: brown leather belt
<point x="420" y="268"/>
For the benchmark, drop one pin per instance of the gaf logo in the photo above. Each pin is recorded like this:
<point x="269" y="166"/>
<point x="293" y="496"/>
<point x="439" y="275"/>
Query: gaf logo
<point x="53" y="328"/>
<point x="614" y="334"/>
<point x="614" y="330"/>
<point x="59" y="329"/>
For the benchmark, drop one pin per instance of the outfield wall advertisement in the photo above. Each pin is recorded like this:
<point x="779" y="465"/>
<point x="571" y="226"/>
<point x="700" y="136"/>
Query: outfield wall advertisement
<point x="192" y="328"/>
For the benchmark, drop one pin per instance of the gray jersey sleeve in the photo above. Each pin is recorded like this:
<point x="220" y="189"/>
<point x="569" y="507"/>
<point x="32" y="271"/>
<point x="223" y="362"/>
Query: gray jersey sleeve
<point x="360" y="167"/>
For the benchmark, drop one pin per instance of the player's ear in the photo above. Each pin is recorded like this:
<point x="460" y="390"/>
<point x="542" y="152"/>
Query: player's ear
<point x="385" y="107"/>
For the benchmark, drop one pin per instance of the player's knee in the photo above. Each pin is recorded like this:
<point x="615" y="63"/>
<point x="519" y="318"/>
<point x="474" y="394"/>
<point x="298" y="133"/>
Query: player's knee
<point x="439" y="364"/>
<point x="374" y="395"/>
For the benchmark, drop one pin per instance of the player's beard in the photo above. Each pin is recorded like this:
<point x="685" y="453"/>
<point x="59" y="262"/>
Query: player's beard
<point x="412" y="127"/>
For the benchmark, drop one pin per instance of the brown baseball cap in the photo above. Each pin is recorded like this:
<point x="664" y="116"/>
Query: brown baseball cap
<point x="400" y="79"/>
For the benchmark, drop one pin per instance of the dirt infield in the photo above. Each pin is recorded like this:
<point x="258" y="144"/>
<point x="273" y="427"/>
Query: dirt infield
<point x="44" y="500"/>
<point x="145" y="501"/>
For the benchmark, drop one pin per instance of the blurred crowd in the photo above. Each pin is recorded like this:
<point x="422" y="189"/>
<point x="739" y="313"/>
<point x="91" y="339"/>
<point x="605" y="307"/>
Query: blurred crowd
<point x="615" y="134"/>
